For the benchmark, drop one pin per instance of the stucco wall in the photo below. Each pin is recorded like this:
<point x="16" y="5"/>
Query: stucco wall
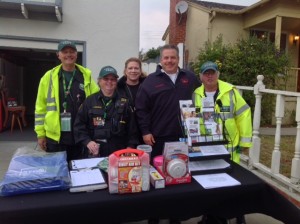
<point x="197" y="31"/>
<point x="231" y="26"/>
<point x="109" y="28"/>
<point x="200" y="31"/>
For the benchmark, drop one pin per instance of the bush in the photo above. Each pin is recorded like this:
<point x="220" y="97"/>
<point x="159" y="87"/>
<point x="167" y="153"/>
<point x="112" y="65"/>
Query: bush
<point x="153" y="53"/>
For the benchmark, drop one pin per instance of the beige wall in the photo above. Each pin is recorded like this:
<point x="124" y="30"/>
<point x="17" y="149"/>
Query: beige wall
<point x="230" y="26"/>
<point x="196" y="31"/>
<point x="199" y="29"/>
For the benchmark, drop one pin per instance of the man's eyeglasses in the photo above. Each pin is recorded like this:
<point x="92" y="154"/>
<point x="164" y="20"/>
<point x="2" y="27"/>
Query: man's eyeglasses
<point x="209" y="72"/>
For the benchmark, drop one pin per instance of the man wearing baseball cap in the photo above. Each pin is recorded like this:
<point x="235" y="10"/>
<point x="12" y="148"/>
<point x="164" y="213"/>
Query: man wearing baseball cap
<point x="61" y="92"/>
<point x="105" y="122"/>
<point x="66" y="43"/>
<point x="234" y="112"/>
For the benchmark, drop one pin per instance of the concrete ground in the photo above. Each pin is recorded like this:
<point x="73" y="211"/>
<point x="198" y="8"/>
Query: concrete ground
<point x="7" y="148"/>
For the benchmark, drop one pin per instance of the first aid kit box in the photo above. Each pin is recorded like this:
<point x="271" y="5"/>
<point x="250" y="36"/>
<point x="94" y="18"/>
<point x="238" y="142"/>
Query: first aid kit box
<point x="128" y="171"/>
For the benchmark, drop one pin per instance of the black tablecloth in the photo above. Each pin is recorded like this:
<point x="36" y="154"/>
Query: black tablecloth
<point x="175" y="201"/>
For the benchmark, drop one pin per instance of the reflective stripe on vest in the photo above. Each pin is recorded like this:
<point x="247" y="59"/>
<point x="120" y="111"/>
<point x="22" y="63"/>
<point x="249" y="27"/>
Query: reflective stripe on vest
<point x="225" y="116"/>
<point x="242" y="109"/>
<point x="49" y="98"/>
<point x="39" y="122"/>
<point x="39" y="116"/>
<point x="245" y="139"/>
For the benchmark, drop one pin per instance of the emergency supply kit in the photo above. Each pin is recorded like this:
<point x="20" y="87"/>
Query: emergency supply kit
<point x="128" y="171"/>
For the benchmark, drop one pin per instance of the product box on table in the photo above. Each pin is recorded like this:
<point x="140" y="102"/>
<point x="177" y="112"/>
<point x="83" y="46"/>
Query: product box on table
<point x="175" y="167"/>
<point x="128" y="171"/>
<point x="156" y="179"/>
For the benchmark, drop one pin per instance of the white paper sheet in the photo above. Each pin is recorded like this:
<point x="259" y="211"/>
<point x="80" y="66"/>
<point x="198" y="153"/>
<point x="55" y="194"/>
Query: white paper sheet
<point x="210" y="150"/>
<point x="216" y="180"/>
<point x="84" y="177"/>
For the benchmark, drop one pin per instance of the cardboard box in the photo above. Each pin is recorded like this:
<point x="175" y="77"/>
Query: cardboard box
<point x="175" y="168"/>
<point x="156" y="179"/>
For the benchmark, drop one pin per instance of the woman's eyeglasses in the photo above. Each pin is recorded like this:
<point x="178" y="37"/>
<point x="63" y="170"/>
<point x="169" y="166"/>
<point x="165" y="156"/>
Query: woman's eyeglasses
<point x="109" y="79"/>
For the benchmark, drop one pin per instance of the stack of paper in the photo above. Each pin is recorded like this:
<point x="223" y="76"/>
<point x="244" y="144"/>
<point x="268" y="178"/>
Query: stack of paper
<point x="203" y="165"/>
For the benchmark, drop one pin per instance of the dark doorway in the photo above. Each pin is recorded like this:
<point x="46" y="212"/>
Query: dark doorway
<point x="33" y="63"/>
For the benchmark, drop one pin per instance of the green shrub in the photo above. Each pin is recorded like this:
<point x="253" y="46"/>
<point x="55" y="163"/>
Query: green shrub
<point x="153" y="53"/>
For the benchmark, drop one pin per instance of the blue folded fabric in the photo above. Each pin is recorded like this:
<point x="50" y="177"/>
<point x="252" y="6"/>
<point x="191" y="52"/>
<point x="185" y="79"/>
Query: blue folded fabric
<point x="35" y="171"/>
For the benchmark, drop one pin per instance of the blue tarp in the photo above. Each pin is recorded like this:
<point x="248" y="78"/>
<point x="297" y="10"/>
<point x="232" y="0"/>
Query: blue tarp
<point x="35" y="171"/>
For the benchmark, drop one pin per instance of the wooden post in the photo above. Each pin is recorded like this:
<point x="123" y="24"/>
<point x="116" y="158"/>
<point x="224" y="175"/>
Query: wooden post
<point x="254" y="151"/>
<point x="295" y="170"/>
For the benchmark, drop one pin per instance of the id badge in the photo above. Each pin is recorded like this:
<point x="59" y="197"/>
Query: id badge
<point x="65" y="120"/>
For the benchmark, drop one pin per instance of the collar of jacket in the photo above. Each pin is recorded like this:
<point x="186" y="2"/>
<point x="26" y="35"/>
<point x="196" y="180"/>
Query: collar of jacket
<point x="101" y="96"/>
<point x="222" y="86"/>
<point x="162" y="72"/>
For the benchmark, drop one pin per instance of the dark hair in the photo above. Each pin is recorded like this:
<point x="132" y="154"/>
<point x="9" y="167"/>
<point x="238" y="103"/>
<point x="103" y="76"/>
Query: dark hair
<point x="133" y="59"/>
<point x="169" y="46"/>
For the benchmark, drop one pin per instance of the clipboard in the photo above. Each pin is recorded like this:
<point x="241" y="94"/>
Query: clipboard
<point x="85" y="163"/>
<point x="88" y="179"/>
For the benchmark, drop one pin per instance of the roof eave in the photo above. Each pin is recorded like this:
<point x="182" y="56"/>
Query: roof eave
<point x="241" y="11"/>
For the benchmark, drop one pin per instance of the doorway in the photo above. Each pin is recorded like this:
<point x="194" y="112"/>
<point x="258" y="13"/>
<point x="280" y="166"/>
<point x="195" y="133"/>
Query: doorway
<point x="23" y="69"/>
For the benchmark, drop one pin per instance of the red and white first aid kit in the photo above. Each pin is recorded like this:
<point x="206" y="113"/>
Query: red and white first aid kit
<point x="128" y="171"/>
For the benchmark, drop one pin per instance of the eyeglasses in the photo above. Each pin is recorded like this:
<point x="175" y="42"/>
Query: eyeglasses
<point x="109" y="79"/>
<point x="209" y="72"/>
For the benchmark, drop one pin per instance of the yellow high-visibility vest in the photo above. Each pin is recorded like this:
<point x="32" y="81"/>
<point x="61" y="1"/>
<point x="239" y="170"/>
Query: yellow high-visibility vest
<point x="235" y="114"/>
<point x="47" y="111"/>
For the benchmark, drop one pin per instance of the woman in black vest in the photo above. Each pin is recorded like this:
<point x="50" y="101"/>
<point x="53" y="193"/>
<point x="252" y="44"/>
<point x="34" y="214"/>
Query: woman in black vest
<point x="105" y="122"/>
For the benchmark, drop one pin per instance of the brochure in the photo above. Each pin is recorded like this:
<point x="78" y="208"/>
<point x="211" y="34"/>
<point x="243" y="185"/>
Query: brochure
<point x="193" y="127"/>
<point x="208" y="150"/>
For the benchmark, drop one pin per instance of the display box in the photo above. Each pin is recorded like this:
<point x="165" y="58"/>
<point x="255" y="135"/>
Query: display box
<point x="156" y="179"/>
<point x="128" y="171"/>
<point x="175" y="167"/>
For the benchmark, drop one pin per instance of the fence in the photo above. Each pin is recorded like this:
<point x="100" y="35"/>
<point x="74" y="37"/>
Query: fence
<point x="291" y="185"/>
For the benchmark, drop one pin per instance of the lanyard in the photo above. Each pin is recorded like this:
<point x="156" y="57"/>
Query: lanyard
<point x="105" y="107"/>
<point x="67" y="89"/>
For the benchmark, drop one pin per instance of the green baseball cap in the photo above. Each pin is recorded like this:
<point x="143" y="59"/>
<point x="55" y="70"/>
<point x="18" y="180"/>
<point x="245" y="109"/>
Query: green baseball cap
<point x="66" y="43"/>
<point x="209" y="65"/>
<point x="108" y="70"/>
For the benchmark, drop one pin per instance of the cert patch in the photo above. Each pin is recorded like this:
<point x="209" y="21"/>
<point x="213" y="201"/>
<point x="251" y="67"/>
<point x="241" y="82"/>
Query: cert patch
<point x="98" y="121"/>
